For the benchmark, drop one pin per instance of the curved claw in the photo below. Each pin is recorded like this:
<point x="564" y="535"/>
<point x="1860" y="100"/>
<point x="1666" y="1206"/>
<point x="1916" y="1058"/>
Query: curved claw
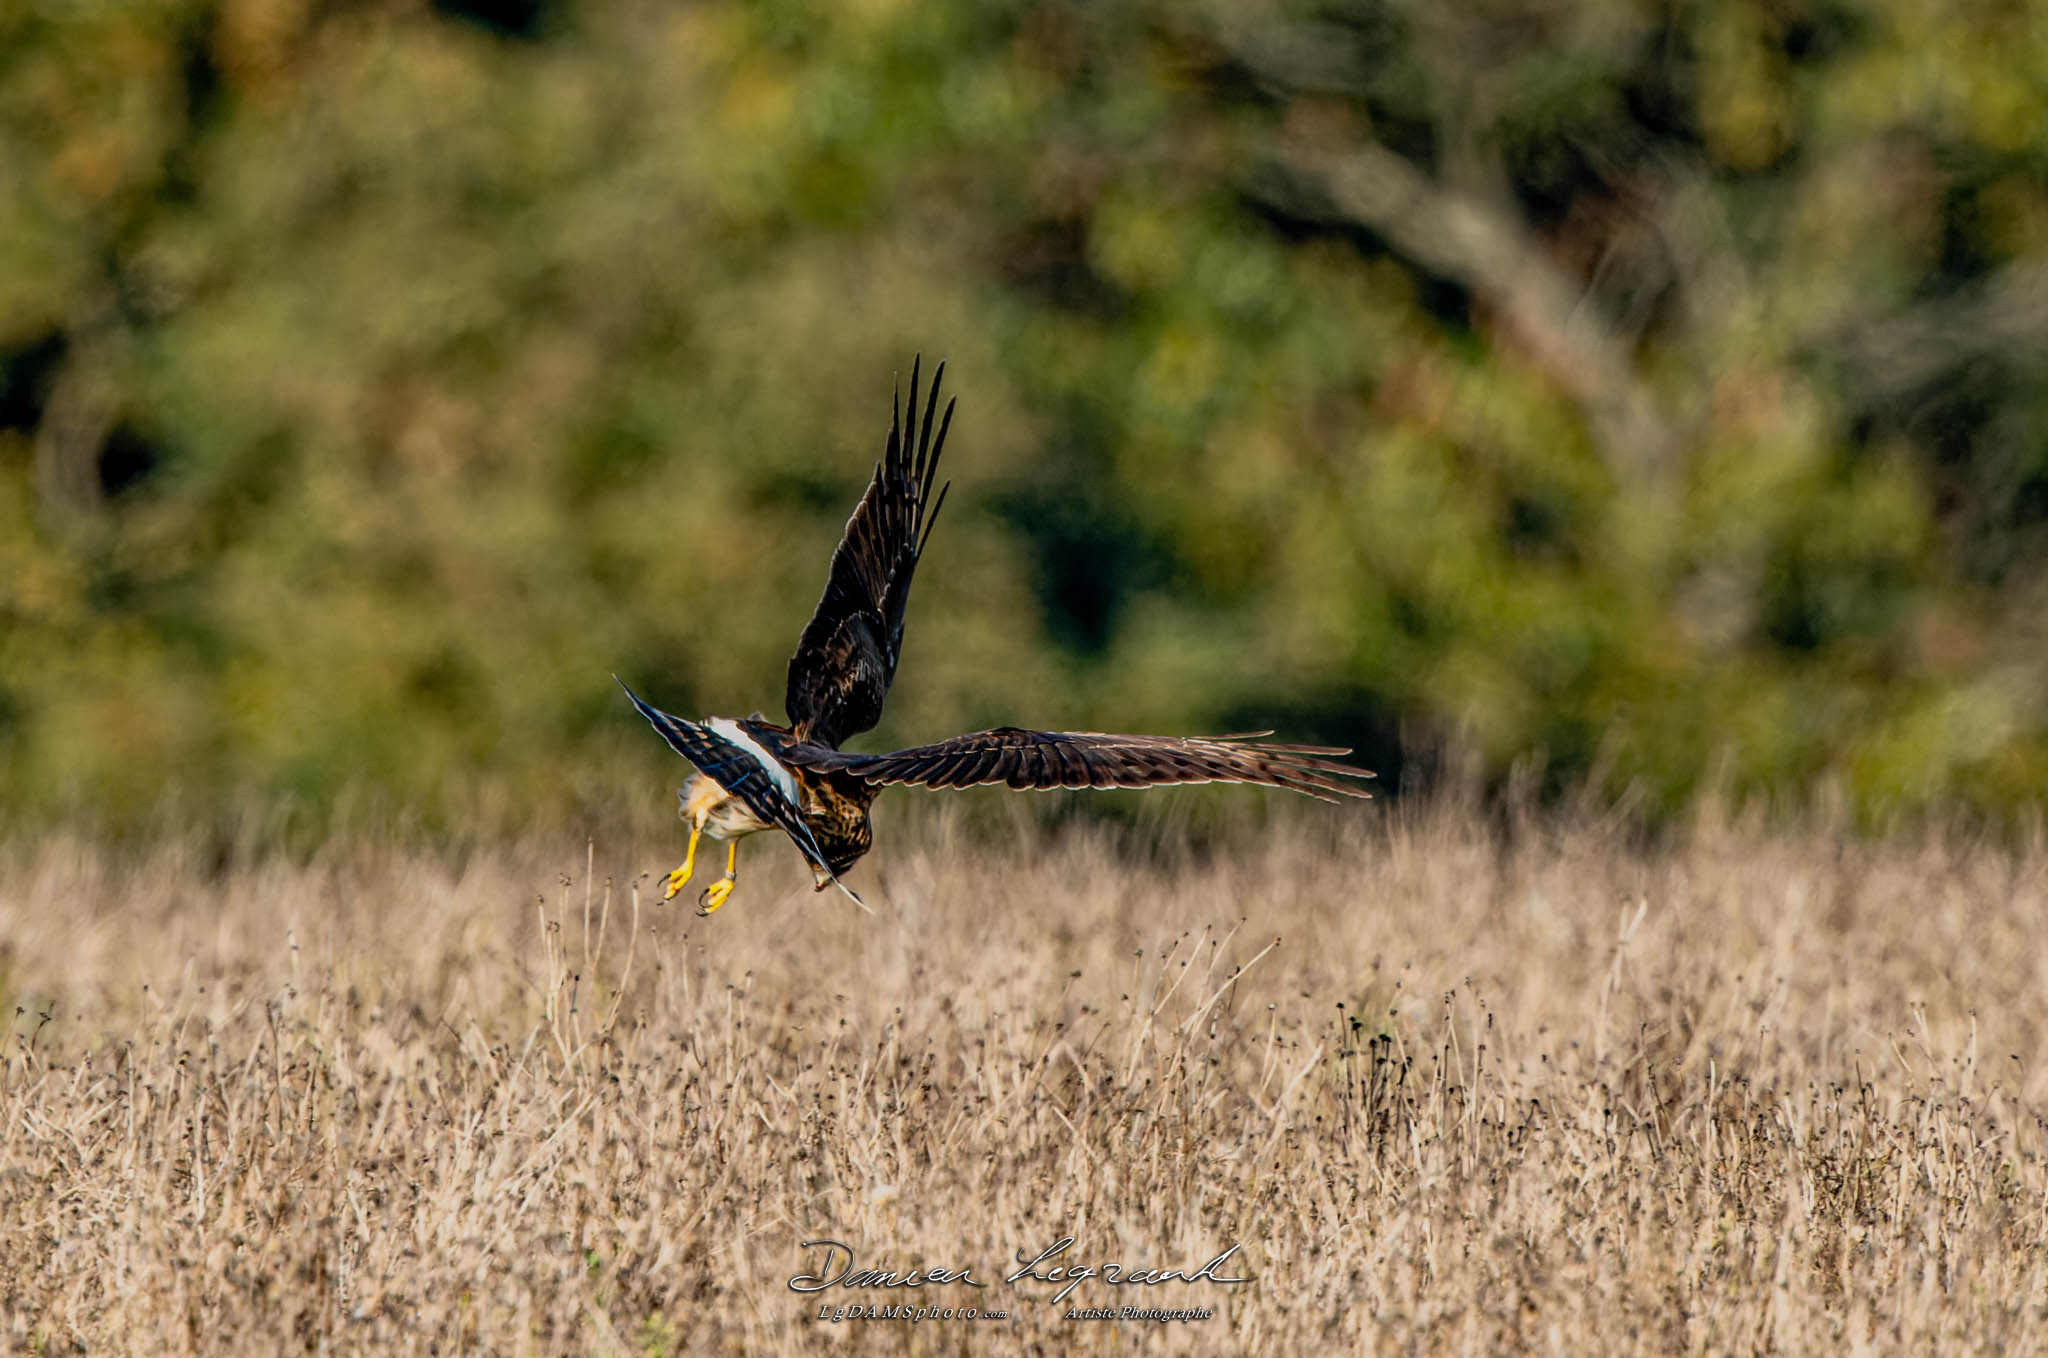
<point x="714" y="896"/>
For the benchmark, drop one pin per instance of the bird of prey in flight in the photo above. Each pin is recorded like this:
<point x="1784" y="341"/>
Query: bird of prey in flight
<point x="753" y="775"/>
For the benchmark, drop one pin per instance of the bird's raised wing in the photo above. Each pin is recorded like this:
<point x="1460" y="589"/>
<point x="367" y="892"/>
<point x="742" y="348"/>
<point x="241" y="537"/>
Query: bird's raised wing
<point x="1050" y="759"/>
<point x="847" y="654"/>
<point x="767" y="789"/>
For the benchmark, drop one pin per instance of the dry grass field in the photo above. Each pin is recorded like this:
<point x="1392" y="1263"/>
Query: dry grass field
<point x="1451" y="1090"/>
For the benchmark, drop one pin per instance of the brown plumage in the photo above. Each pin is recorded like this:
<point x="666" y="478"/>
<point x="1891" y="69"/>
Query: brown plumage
<point x="1078" y="759"/>
<point x="754" y="775"/>
<point x="846" y="657"/>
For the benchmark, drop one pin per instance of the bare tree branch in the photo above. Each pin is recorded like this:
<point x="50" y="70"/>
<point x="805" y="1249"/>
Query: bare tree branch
<point x="73" y="430"/>
<point x="1888" y="356"/>
<point x="1455" y="237"/>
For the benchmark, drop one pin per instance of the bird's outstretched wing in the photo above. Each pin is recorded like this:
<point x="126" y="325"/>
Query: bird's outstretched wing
<point x="847" y="654"/>
<point x="750" y="775"/>
<point x="1050" y="759"/>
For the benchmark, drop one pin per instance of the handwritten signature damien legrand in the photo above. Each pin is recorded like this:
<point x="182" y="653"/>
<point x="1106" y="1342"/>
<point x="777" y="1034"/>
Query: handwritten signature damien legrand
<point x="1032" y="1269"/>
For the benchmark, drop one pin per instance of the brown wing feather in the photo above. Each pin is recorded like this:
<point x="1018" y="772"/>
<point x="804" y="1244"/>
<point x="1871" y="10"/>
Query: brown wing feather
<point x="1050" y="759"/>
<point x="846" y="657"/>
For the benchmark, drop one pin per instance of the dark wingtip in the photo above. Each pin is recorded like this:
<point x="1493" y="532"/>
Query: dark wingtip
<point x="928" y="463"/>
<point x="910" y="435"/>
<point x="639" y="704"/>
<point x="931" y="409"/>
<point x="932" y="518"/>
<point x="895" y="443"/>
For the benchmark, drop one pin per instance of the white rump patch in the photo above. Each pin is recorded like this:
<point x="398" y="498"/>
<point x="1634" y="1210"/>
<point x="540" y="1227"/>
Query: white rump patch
<point x="784" y="779"/>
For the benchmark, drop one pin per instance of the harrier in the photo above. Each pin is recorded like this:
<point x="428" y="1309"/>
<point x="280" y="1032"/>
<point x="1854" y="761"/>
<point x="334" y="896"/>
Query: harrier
<point x="753" y="775"/>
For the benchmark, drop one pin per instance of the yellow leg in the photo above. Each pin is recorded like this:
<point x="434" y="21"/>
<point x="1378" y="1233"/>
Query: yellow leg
<point x="715" y="894"/>
<point x="682" y="875"/>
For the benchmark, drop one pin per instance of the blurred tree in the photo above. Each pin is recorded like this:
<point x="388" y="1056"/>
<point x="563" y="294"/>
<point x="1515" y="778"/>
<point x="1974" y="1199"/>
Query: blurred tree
<point x="1655" y="389"/>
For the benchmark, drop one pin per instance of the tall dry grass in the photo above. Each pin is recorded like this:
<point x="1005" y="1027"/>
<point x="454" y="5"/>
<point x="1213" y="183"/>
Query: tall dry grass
<point x="1452" y="1091"/>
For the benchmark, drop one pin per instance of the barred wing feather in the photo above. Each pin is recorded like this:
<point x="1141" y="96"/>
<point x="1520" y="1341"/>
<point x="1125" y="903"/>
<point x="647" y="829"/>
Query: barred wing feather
<point x="738" y="770"/>
<point x="1078" y="759"/>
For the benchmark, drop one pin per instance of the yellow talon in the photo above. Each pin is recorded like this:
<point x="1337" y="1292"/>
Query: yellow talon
<point x="681" y="876"/>
<point x="715" y="894"/>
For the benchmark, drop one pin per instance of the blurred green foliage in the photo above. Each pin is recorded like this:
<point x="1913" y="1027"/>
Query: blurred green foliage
<point x="1654" y="388"/>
